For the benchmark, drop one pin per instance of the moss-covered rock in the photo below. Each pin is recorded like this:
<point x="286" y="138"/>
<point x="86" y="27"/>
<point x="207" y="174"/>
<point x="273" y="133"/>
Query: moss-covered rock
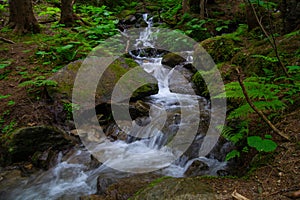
<point x="25" y="142"/>
<point x="221" y="48"/>
<point x="176" y="188"/>
<point x="124" y="188"/>
<point x="172" y="59"/>
<point x="65" y="79"/>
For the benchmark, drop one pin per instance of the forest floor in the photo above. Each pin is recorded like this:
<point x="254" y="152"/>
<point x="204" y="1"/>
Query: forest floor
<point x="277" y="176"/>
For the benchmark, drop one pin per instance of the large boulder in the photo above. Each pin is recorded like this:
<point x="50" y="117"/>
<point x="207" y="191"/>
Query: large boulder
<point x="65" y="79"/>
<point x="176" y="188"/>
<point x="25" y="142"/>
<point x="123" y="188"/>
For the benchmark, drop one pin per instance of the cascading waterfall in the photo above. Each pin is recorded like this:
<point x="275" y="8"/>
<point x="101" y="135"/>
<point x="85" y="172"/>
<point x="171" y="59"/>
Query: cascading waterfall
<point x="71" y="177"/>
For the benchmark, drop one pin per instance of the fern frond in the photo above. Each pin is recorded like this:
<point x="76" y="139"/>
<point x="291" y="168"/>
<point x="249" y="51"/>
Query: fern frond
<point x="233" y="135"/>
<point x="244" y="110"/>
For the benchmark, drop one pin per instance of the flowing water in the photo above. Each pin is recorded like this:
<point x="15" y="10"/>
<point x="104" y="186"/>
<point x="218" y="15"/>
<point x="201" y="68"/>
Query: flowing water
<point x="72" y="177"/>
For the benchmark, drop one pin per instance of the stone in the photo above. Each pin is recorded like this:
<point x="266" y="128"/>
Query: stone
<point x="45" y="159"/>
<point x="65" y="79"/>
<point x="139" y="109"/>
<point x="172" y="59"/>
<point x="24" y="142"/>
<point x="196" y="168"/>
<point x="103" y="183"/>
<point x="126" y="187"/>
<point x="176" y="188"/>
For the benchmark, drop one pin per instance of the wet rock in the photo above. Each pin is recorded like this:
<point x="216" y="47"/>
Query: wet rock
<point x="180" y="81"/>
<point x="113" y="132"/>
<point x="223" y="172"/>
<point x="172" y="59"/>
<point x="221" y="149"/>
<point x="130" y="19"/>
<point x="24" y="142"/>
<point x="46" y="159"/>
<point x="196" y="168"/>
<point x="10" y="179"/>
<point x="139" y="109"/>
<point x="103" y="183"/>
<point x="190" y="67"/>
<point x="94" y="163"/>
<point x="144" y="91"/>
<point x="176" y="188"/>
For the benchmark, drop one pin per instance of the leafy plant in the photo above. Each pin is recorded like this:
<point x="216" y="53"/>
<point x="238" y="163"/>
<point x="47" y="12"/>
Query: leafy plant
<point x="51" y="11"/>
<point x="232" y="154"/>
<point x="69" y="108"/>
<point x="266" y="58"/>
<point x="8" y="128"/>
<point x="67" y="52"/>
<point x="11" y="103"/>
<point x="37" y="83"/>
<point x="262" y="145"/>
<point x="267" y="94"/>
<point x="4" y="96"/>
<point x="265" y="4"/>
<point x="4" y="64"/>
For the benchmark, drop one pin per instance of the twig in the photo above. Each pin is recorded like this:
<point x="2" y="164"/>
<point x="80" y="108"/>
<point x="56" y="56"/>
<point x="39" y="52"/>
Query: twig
<point x="285" y="190"/>
<point x="260" y="113"/>
<point x="7" y="40"/>
<point x="273" y="43"/>
<point x="238" y="196"/>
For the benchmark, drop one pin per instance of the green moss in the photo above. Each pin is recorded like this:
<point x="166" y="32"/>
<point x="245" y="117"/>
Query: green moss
<point x="198" y="80"/>
<point x="221" y="48"/>
<point x="151" y="185"/>
<point x="125" y="13"/>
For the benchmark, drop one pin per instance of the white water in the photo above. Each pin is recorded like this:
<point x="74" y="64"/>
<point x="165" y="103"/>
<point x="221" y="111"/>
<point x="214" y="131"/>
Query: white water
<point x="71" y="177"/>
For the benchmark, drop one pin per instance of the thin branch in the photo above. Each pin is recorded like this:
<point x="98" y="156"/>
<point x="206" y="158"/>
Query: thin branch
<point x="260" y="113"/>
<point x="7" y="40"/>
<point x="238" y="196"/>
<point x="273" y="43"/>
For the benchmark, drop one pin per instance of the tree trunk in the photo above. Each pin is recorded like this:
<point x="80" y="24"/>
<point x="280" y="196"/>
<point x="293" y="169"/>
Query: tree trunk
<point x="185" y="6"/>
<point x="67" y="16"/>
<point x="21" y="17"/>
<point x="202" y="9"/>
<point x="290" y="14"/>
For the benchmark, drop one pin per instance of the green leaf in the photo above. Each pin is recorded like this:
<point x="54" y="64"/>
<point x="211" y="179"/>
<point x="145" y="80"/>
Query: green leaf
<point x="221" y="27"/>
<point x="11" y="103"/>
<point x="232" y="154"/>
<point x="64" y="48"/>
<point x="268" y="136"/>
<point x="5" y="64"/>
<point x="261" y="145"/>
<point x="293" y="68"/>
<point x="4" y="96"/>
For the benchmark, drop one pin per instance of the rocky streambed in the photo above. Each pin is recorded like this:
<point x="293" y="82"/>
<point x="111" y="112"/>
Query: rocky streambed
<point x="137" y="163"/>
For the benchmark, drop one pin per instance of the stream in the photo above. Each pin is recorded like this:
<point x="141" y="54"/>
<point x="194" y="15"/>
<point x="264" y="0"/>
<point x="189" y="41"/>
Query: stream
<point x="146" y="149"/>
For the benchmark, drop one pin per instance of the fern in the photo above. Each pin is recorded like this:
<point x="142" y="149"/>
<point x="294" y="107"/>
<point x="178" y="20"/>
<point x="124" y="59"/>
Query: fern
<point x="39" y="81"/>
<point x="230" y="134"/>
<point x="266" y="58"/>
<point x="257" y="90"/>
<point x="244" y="110"/>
